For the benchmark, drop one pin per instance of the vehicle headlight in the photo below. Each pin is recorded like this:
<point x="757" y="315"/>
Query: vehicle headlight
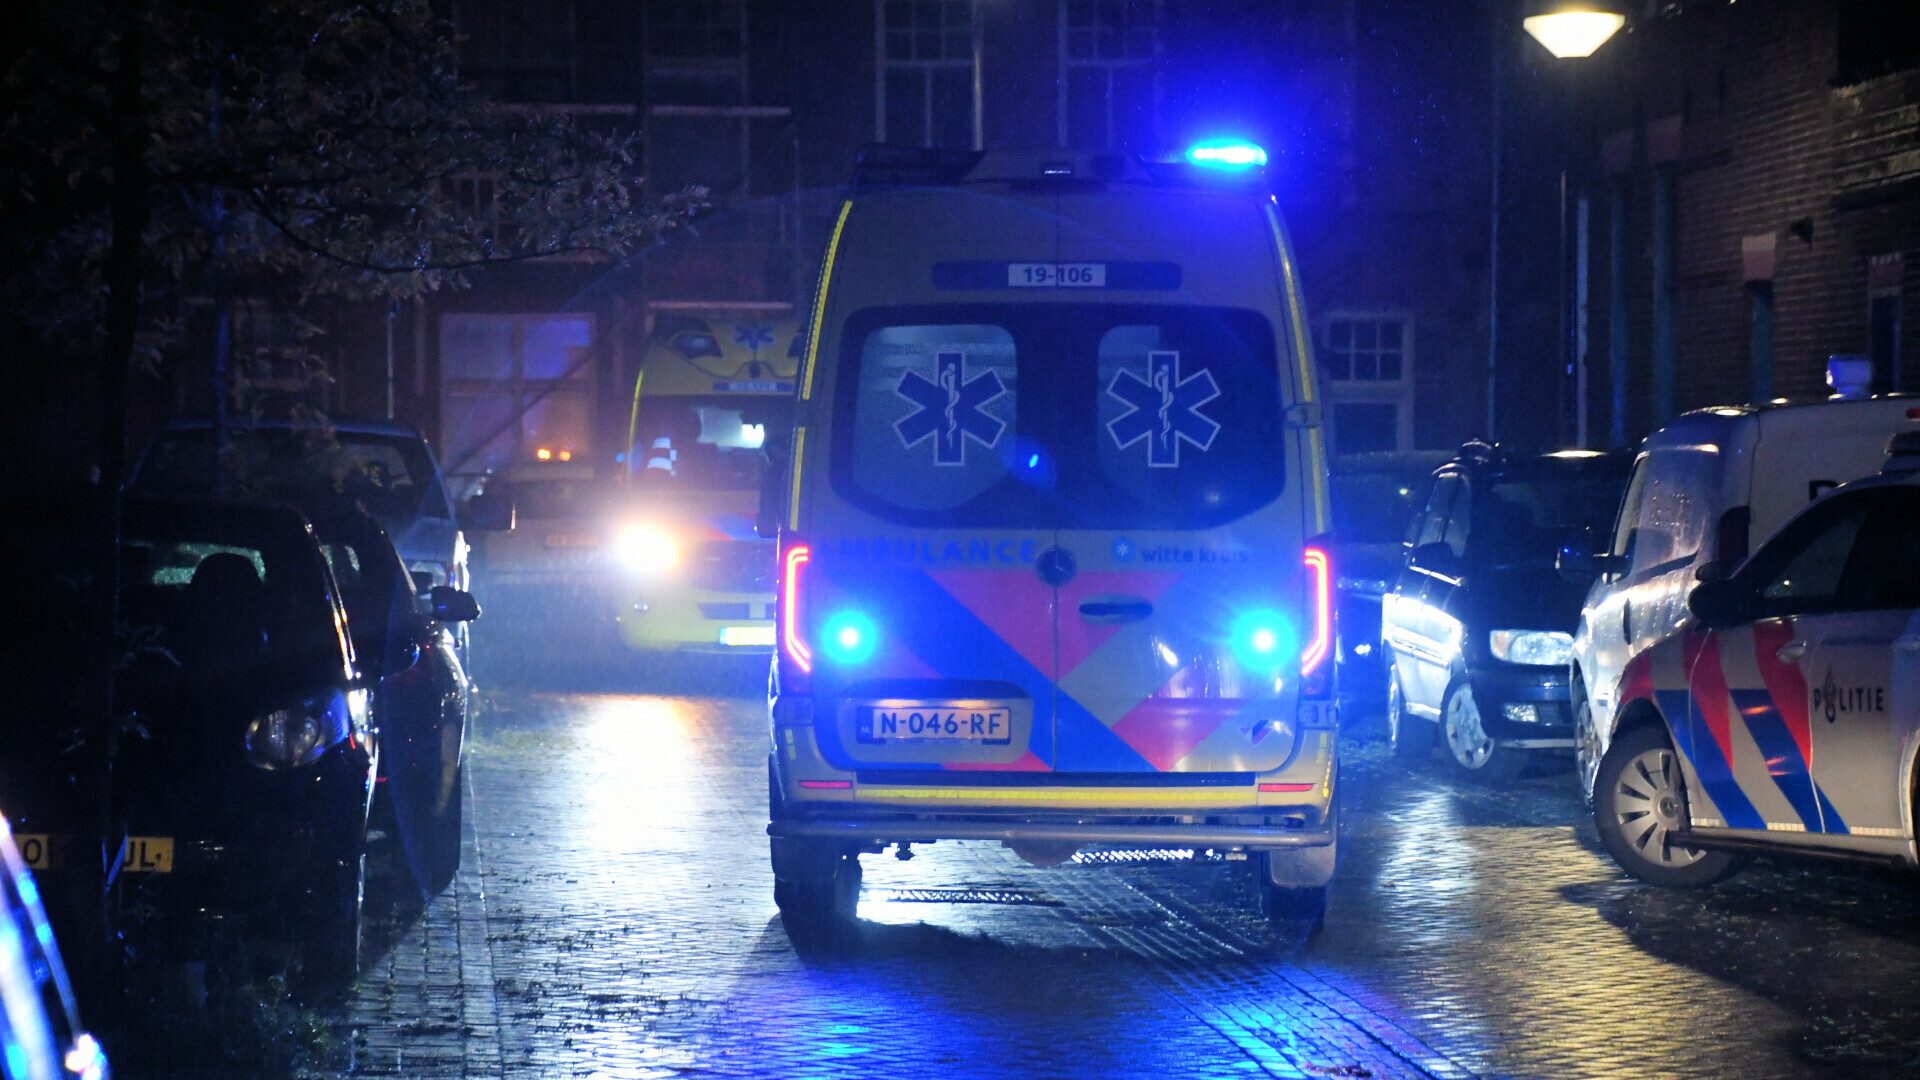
<point x="643" y="547"/>
<point x="1531" y="646"/>
<point x="286" y="738"/>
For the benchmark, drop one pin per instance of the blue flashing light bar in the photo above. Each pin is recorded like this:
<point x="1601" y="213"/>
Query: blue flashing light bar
<point x="1227" y="154"/>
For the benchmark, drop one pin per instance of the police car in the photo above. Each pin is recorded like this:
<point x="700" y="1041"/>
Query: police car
<point x="1052" y="567"/>
<point x="1786" y="712"/>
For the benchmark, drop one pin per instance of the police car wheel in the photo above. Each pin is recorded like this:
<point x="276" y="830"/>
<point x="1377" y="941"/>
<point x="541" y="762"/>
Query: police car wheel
<point x="1411" y="737"/>
<point x="1640" y="803"/>
<point x="1474" y="752"/>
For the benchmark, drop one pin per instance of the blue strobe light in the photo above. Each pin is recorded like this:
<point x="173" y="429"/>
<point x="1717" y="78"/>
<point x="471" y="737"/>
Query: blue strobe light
<point x="849" y="637"/>
<point x="1227" y="154"/>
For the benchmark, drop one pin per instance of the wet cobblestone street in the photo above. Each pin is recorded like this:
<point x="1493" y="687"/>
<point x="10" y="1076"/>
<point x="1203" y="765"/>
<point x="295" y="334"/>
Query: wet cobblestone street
<point x="614" y="917"/>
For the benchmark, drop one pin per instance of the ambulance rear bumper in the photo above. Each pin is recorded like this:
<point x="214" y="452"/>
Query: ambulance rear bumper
<point x="1290" y="831"/>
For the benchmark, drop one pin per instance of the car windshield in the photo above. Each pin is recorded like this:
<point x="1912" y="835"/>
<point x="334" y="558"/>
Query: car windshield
<point x="391" y="475"/>
<point x="715" y="442"/>
<point x="1523" y="520"/>
<point x="1078" y="415"/>
<point x="1376" y="507"/>
<point x="232" y="595"/>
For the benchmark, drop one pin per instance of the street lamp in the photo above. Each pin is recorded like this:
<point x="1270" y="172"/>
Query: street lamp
<point x="1572" y="28"/>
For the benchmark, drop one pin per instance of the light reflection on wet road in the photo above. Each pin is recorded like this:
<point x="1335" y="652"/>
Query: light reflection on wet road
<point x="615" y="918"/>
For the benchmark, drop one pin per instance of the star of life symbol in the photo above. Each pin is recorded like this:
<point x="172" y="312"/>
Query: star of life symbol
<point x="753" y="335"/>
<point x="1166" y="409"/>
<point x="950" y="409"/>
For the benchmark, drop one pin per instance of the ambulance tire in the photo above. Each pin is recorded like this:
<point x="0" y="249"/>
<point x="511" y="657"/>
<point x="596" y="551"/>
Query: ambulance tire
<point x="815" y="881"/>
<point x="1639" y="797"/>
<point x="1474" y="754"/>
<point x="1411" y="737"/>
<point x="1294" y="907"/>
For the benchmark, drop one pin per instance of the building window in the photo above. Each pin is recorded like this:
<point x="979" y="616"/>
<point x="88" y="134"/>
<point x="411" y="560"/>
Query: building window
<point x="1108" y="49"/>
<point x="517" y="51"/>
<point x="1365" y="350"/>
<point x="1366" y="364"/>
<point x="514" y="385"/>
<point x="925" y="92"/>
<point x="696" y="29"/>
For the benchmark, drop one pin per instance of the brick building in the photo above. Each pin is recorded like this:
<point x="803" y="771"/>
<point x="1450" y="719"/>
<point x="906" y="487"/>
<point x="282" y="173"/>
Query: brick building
<point x="1756" y="189"/>
<point x="1377" y="115"/>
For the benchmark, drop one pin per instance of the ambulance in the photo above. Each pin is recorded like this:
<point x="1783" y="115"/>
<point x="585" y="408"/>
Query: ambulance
<point x="689" y="572"/>
<point x="1053" y="566"/>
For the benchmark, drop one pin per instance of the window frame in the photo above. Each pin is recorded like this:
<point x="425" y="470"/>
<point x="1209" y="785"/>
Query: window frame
<point x="924" y="69"/>
<point x="1398" y="392"/>
<point x="1108" y="67"/>
<point x="523" y="394"/>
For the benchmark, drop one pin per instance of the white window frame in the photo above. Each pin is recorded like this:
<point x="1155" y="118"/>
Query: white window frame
<point x="1108" y="68"/>
<point x="1397" y="392"/>
<point x="925" y="68"/>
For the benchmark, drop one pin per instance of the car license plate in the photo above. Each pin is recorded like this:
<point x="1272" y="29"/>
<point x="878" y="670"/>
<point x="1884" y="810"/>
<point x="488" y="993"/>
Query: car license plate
<point x="1056" y="275"/>
<point x="36" y="850"/>
<point x="746" y="635"/>
<point x="572" y="540"/>
<point x="986" y="722"/>
<point x="147" y="855"/>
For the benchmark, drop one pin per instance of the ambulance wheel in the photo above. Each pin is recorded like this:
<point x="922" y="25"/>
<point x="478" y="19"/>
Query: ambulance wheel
<point x="1296" y="907"/>
<point x="1640" y="803"/>
<point x="1475" y="755"/>
<point x="814" y="880"/>
<point x="1410" y="736"/>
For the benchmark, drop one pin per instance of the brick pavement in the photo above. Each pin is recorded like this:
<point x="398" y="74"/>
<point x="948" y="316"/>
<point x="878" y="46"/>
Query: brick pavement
<point x="613" y="917"/>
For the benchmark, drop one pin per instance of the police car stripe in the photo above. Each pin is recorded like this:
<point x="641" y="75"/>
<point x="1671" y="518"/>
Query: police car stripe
<point x="1716" y="776"/>
<point x="1784" y="764"/>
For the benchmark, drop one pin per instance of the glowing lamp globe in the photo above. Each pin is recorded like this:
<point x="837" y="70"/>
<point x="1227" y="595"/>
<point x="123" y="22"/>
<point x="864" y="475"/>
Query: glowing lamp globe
<point x="1574" y="29"/>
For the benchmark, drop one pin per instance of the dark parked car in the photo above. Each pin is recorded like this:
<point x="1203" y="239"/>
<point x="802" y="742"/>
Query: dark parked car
<point x="1479" y="625"/>
<point x="1375" y="499"/>
<point x="245" y="785"/>
<point x="420" y="690"/>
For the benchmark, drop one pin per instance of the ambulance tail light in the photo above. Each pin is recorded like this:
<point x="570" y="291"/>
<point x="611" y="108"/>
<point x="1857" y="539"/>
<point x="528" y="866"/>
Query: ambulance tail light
<point x="1316" y="673"/>
<point x="793" y="643"/>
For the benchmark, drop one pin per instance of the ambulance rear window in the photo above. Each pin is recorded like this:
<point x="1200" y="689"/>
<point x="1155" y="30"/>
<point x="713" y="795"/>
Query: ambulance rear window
<point x="1059" y="415"/>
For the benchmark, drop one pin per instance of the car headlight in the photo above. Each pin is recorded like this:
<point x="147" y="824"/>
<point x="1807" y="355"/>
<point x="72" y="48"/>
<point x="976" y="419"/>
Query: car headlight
<point x="1531" y="646"/>
<point x="643" y="547"/>
<point x="301" y="734"/>
<point x="285" y="739"/>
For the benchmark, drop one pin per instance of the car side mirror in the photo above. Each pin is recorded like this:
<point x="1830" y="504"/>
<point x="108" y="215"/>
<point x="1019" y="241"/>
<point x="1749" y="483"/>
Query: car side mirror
<point x="487" y="513"/>
<point x="1575" y="562"/>
<point x="448" y="604"/>
<point x="1710" y="571"/>
<point x="1719" y="603"/>
<point x="1437" y="557"/>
